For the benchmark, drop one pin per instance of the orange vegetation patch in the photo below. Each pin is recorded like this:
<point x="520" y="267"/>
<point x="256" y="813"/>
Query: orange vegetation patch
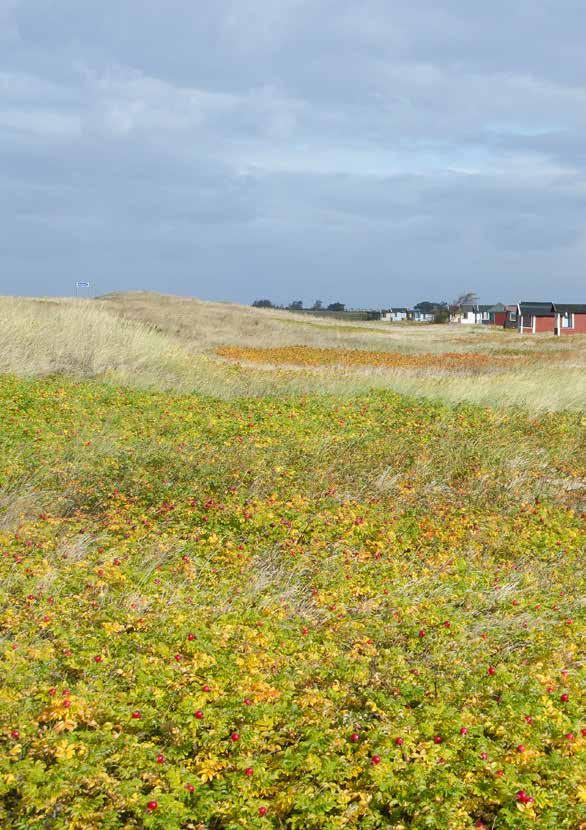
<point x="308" y="356"/>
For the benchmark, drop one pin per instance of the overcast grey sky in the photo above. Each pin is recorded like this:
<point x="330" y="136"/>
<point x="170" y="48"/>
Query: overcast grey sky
<point x="370" y="151"/>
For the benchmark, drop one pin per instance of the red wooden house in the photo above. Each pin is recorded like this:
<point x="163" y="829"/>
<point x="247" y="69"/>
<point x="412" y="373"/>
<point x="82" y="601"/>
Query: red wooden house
<point x="497" y="314"/>
<point x="570" y="318"/>
<point x="533" y="318"/>
<point x="557" y="318"/>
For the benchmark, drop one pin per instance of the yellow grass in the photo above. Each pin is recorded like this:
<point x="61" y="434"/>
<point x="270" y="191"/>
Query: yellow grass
<point x="205" y="325"/>
<point x="165" y="342"/>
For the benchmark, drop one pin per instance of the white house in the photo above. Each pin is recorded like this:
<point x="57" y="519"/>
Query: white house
<point x="483" y="314"/>
<point x="468" y="313"/>
<point x="395" y="315"/>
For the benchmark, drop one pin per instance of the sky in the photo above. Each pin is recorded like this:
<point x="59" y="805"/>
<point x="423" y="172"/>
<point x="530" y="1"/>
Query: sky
<point x="361" y="151"/>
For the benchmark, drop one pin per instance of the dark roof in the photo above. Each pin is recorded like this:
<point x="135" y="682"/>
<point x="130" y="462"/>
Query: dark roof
<point x="405" y="310"/>
<point x="573" y="308"/>
<point x="495" y="307"/>
<point x="468" y="307"/>
<point x="485" y="308"/>
<point x="537" y="309"/>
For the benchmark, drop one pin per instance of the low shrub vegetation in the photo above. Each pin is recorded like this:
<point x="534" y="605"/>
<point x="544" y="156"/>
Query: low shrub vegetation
<point x="304" y="613"/>
<point x="307" y="356"/>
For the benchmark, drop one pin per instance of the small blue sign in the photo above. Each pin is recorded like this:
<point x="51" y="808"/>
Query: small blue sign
<point x="82" y="285"/>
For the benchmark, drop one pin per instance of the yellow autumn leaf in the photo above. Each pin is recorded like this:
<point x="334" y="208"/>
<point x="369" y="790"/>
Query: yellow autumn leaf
<point x="210" y="768"/>
<point x="64" y="751"/>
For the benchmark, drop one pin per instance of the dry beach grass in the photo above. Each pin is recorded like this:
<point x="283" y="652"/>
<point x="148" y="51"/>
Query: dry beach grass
<point x="165" y="342"/>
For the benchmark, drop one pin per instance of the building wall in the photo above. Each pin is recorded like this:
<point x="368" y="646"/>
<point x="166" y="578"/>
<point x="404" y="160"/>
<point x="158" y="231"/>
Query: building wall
<point x="544" y="324"/>
<point x="394" y="316"/>
<point x="528" y="324"/>
<point x="579" y="325"/>
<point x="499" y="318"/>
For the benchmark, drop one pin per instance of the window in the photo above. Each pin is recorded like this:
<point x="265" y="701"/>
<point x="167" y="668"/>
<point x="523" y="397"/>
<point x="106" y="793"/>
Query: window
<point x="567" y="320"/>
<point x="513" y="316"/>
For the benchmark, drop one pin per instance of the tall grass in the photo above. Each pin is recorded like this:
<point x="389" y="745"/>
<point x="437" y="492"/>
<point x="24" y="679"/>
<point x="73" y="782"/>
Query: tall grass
<point x="538" y="388"/>
<point x="77" y="338"/>
<point x="157" y="342"/>
<point x="206" y="325"/>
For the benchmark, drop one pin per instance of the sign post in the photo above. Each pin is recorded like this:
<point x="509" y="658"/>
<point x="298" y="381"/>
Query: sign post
<point x="81" y="284"/>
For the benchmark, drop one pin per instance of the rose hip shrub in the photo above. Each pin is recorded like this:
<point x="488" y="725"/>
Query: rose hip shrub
<point x="292" y="613"/>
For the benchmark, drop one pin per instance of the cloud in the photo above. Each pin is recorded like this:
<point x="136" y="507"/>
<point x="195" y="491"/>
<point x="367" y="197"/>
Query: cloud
<point x="9" y="31"/>
<point x="345" y="146"/>
<point x="44" y="123"/>
<point x="122" y="101"/>
<point x="261" y="25"/>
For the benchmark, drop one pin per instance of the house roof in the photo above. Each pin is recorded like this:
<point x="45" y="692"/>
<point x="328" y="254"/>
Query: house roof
<point x="468" y="307"/>
<point x="495" y="307"/>
<point x="572" y="308"/>
<point x="485" y="308"/>
<point x="537" y="309"/>
<point x="404" y="310"/>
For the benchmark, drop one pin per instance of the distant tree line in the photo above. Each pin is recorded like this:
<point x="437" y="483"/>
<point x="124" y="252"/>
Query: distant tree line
<point x="440" y="312"/>
<point x="297" y="305"/>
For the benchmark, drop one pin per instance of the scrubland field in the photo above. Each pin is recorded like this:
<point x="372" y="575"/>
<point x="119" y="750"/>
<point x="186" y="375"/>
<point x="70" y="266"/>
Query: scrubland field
<point x="262" y="571"/>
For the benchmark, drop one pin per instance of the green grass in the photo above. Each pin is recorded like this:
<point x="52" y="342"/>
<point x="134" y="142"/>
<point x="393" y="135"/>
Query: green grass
<point x="271" y="564"/>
